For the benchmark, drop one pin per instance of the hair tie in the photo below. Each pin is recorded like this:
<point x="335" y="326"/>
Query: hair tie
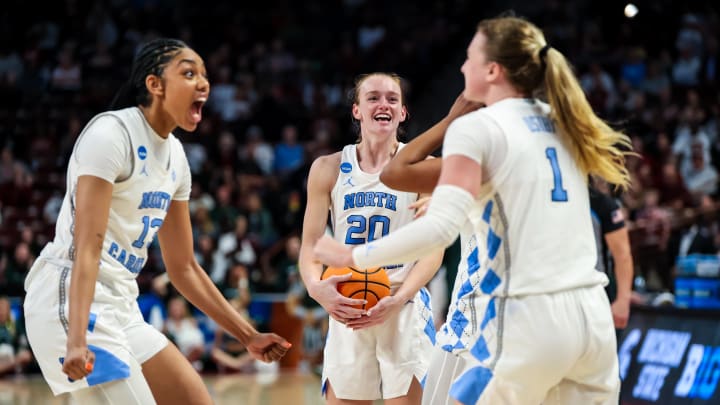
<point x="543" y="52"/>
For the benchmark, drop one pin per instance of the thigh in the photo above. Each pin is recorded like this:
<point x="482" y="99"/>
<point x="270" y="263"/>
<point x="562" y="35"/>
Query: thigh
<point x="46" y="317"/>
<point x="594" y="379"/>
<point x="517" y="356"/>
<point x="131" y="390"/>
<point x="350" y="363"/>
<point x="404" y="347"/>
<point x="571" y="392"/>
<point x="144" y="340"/>
<point x="173" y="380"/>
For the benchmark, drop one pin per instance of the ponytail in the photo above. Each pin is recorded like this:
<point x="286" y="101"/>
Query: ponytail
<point x="532" y="65"/>
<point x="598" y="149"/>
<point x="151" y="59"/>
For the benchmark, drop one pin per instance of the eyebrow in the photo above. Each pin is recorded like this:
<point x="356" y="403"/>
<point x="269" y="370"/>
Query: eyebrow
<point x="187" y="60"/>
<point x="391" y="92"/>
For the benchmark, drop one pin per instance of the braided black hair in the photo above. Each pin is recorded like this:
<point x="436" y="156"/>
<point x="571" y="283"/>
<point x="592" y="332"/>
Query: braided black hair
<point x="150" y="60"/>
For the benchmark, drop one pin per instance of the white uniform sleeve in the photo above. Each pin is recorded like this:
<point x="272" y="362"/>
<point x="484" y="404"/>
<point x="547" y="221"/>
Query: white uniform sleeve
<point x="184" y="178"/>
<point x="103" y="151"/>
<point x="437" y="229"/>
<point x="478" y="137"/>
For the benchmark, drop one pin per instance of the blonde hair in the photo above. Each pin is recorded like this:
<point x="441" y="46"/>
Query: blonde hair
<point x="532" y="67"/>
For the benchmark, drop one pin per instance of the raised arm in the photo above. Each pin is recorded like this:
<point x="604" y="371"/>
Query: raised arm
<point x="410" y="170"/>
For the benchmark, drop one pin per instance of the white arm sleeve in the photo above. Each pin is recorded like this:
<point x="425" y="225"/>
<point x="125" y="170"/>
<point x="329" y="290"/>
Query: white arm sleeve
<point x="103" y="150"/>
<point x="437" y="229"/>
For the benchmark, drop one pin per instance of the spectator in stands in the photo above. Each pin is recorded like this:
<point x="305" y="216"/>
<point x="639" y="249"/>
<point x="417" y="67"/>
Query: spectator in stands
<point x="260" y="222"/>
<point x="182" y="329"/>
<point x="234" y="246"/>
<point x="14" y="351"/>
<point x="280" y="264"/>
<point x="227" y="352"/>
<point x="16" y="270"/>
<point x="315" y="324"/>
<point x="655" y="223"/>
<point x="699" y="177"/>
<point x="289" y="154"/>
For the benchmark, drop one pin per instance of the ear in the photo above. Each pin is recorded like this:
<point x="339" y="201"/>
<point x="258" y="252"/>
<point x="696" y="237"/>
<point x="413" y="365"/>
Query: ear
<point x="403" y="114"/>
<point x="494" y="72"/>
<point x="154" y="85"/>
<point x="356" y="111"/>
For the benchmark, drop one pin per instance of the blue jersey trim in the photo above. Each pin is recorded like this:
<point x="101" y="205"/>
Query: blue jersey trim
<point x="470" y="386"/>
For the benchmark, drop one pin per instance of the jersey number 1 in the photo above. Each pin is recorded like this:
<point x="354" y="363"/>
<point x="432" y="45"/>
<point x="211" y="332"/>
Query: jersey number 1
<point x="558" y="193"/>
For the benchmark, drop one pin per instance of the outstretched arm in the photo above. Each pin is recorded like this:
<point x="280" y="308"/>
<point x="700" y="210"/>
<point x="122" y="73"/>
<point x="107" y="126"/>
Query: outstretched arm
<point x="460" y="182"/>
<point x="410" y="170"/>
<point x="193" y="283"/>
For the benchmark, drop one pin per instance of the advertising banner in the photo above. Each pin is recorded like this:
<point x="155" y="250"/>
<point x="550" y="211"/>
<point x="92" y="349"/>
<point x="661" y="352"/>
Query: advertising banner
<point x="670" y="356"/>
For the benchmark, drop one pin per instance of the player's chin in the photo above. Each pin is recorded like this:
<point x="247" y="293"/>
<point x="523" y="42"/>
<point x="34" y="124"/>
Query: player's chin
<point x="188" y="126"/>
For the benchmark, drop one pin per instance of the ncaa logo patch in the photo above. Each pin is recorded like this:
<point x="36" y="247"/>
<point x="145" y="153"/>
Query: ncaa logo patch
<point x="345" y="167"/>
<point x="142" y="152"/>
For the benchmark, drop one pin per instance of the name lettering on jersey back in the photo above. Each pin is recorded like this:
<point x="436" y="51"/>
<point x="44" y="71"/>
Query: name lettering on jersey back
<point x="370" y="199"/>
<point x="539" y="123"/>
<point x="155" y="199"/>
<point x="131" y="262"/>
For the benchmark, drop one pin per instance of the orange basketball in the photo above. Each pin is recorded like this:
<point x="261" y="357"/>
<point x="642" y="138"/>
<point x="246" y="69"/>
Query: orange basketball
<point x="370" y="284"/>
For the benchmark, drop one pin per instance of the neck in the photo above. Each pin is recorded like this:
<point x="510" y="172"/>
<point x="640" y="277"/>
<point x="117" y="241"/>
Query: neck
<point x="158" y="120"/>
<point x="501" y="92"/>
<point x="374" y="153"/>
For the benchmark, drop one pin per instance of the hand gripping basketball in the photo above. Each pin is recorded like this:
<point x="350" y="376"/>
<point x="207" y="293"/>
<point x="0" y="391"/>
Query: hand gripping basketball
<point x="370" y="284"/>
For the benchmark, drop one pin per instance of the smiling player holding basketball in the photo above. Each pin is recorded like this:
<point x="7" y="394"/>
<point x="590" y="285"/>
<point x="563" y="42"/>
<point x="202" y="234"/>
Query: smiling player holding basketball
<point x="384" y="353"/>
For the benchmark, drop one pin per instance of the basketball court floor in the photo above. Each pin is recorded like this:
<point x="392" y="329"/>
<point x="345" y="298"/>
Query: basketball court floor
<point x="282" y="388"/>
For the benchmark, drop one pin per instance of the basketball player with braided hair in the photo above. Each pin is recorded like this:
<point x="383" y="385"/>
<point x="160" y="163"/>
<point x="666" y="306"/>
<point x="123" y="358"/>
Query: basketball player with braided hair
<point x="529" y="321"/>
<point x="384" y="353"/>
<point x="128" y="178"/>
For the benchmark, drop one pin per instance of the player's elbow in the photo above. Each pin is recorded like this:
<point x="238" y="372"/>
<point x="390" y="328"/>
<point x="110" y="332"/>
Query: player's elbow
<point x="390" y="176"/>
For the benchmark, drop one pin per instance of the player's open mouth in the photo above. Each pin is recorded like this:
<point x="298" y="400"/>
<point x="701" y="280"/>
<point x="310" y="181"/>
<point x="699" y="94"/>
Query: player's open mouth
<point x="196" y="111"/>
<point x="383" y="117"/>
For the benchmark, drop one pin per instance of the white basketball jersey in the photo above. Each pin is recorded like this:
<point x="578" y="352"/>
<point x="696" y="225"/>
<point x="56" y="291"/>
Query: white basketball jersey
<point x="531" y="222"/>
<point x="530" y="230"/>
<point x="364" y="209"/>
<point x="139" y="203"/>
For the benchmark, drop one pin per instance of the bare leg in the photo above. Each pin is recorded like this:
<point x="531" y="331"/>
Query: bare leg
<point x="331" y="399"/>
<point x="173" y="380"/>
<point x="413" y="397"/>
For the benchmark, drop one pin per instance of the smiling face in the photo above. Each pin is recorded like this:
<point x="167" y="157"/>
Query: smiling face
<point x="477" y="70"/>
<point x="378" y="105"/>
<point x="182" y="89"/>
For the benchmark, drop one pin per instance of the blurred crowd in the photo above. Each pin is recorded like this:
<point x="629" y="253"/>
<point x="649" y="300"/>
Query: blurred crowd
<point x="280" y="75"/>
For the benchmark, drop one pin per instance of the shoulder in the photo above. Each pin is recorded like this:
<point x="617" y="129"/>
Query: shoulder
<point x="325" y="169"/>
<point x="328" y="162"/>
<point x="477" y="122"/>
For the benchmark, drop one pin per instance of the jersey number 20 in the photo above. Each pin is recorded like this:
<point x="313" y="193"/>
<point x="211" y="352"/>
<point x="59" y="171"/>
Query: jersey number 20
<point x="359" y="224"/>
<point x="558" y="193"/>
